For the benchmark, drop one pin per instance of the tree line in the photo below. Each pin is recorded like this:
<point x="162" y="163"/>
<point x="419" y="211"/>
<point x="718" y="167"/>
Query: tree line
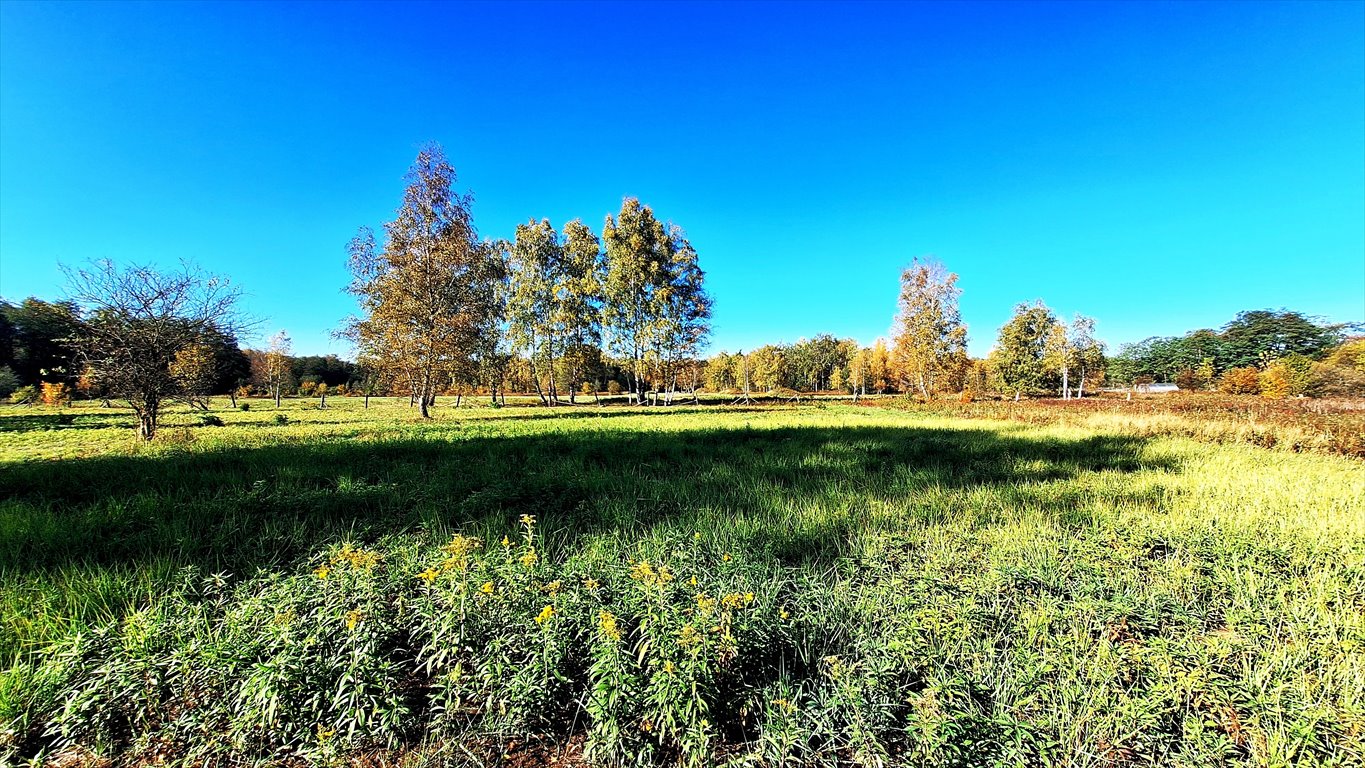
<point x="569" y="311"/>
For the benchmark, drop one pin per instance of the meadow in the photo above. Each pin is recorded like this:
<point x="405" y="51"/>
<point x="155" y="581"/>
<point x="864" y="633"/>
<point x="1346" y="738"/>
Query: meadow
<point x="768" y="585"/>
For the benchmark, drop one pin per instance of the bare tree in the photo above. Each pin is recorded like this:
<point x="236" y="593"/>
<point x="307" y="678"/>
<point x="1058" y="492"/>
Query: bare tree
<point x="139" y="326"/>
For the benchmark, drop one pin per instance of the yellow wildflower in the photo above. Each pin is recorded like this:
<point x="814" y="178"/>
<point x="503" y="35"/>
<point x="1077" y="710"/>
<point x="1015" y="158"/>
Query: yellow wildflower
<point x="353" y="618"/>
<point x="528" y="520"/>
<point x="647" y="725"/>
<point x="688" y="636"/>
<point x="726" y="557"/>
<point x="704" y="603"/>
<point x="529" y="559"/>
<point x="736" y="600"/>
<point x="607" y="622"/>
<point x="545" y="614"/>
<point x="322" y="572"/>
<point x="487" y="588"/>
<point x="506" y="543"/>
<point x="784" y="614"/>
<point x="693" y="581"/>
<point x="642" y="571"/>
<point x="429" y="575"/>
<point x="325" y="734"/>
<point x="591" y="583"/>
<point x="668" y="667"/>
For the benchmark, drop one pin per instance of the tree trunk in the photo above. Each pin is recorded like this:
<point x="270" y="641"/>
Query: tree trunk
<point x="232" y="396"/>
<point x="367" y="401"/>
<point x="1066" y="385"/>
<point x="277" y="396"/>
<point x="146" y="421"/>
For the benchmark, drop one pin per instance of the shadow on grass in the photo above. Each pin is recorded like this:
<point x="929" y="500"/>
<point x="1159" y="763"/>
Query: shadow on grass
<point x="795" y="493"/>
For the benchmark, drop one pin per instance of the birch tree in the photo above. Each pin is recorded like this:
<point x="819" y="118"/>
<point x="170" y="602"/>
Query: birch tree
<point x="430" y="295"/>
<point x="579" y="311"/>
<point x="536" y="272"/>
<point x="638" y="260"/>
<point x="929" y="340"/>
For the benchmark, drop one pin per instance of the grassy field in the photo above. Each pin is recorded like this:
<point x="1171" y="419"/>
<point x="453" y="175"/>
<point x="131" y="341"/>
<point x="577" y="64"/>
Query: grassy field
<point x="822" y="584"/>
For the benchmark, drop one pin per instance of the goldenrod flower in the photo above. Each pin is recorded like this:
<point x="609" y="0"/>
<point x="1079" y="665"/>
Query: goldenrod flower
<point x="529" y="559"/>
<point x="353" y="618"/>
<point x="545" y="614"/>
<point x="607" y="622"/>
<point x="704" y="603"/>
<point x="688" y="636"/>
<point x="487" y="588"/>
<point x="322" y="572"/>
<point x="429" y="575"/>
<point x="325" y="734"/>
<point x="668" y="667"/>
<point x="591" y="583"/>
<point x="506" y="543"/>
<point x="528" y="520"/>
<point x="726" y="557"/>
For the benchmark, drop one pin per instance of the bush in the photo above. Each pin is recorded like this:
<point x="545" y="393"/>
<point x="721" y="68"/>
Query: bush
<point x="210" y="420"/>
<point x="1328" y="380"/>
<point x="56" y="394"/>
<point x="244" y="407"/>
<point x="613" y="387"/>
<point x="1240" y="381"/>
<point x="25" y="394"/>
<point x="281" y="419"/>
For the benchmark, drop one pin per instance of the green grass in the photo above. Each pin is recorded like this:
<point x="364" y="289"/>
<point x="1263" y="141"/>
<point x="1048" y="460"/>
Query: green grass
<point x="926" y="590"/>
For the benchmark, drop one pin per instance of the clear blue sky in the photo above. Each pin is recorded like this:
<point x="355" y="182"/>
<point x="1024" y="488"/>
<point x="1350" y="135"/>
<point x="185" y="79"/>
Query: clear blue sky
<point x="1157" y="166"/>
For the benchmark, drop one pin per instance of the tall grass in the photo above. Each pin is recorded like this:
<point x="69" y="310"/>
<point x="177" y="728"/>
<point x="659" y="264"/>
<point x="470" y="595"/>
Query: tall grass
<point x="759" y="586"/>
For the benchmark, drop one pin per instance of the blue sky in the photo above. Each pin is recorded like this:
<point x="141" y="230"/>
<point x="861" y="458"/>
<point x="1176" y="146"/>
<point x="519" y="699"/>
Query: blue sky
<point x="1157" y="166"/>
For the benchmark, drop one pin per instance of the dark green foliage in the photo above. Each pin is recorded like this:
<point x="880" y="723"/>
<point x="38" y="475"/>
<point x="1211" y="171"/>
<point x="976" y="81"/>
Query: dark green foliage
<point x="35" y="340"/>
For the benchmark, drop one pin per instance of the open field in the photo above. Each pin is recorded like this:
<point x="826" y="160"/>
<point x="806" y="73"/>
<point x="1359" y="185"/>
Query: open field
<point x="823" y="584"/>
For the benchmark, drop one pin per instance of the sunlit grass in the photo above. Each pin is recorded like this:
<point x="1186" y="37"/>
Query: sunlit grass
<point x="926" y="589"/>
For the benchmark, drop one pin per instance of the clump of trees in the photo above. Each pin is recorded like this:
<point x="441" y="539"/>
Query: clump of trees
<point x="442" y="310"/>
<point x="1274" y="353"/>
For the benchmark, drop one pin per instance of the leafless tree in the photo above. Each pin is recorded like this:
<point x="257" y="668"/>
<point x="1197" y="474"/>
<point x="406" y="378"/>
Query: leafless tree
<point x="138" y="325"/>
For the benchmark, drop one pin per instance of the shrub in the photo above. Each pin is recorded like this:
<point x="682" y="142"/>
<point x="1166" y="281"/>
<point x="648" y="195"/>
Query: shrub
<point x="613" y="387"/>
<point x="1328" y="380"/>
<point x="1240" y="381"/>
<point x="1274" y="382"/>
<point x="586" y="388"/>
<point x="244" y="407"/>
<point x="25" y="394"/>
<point x="55" y="393"/>
<point x="210" y="420"/>
<point x="281" y="419"/>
